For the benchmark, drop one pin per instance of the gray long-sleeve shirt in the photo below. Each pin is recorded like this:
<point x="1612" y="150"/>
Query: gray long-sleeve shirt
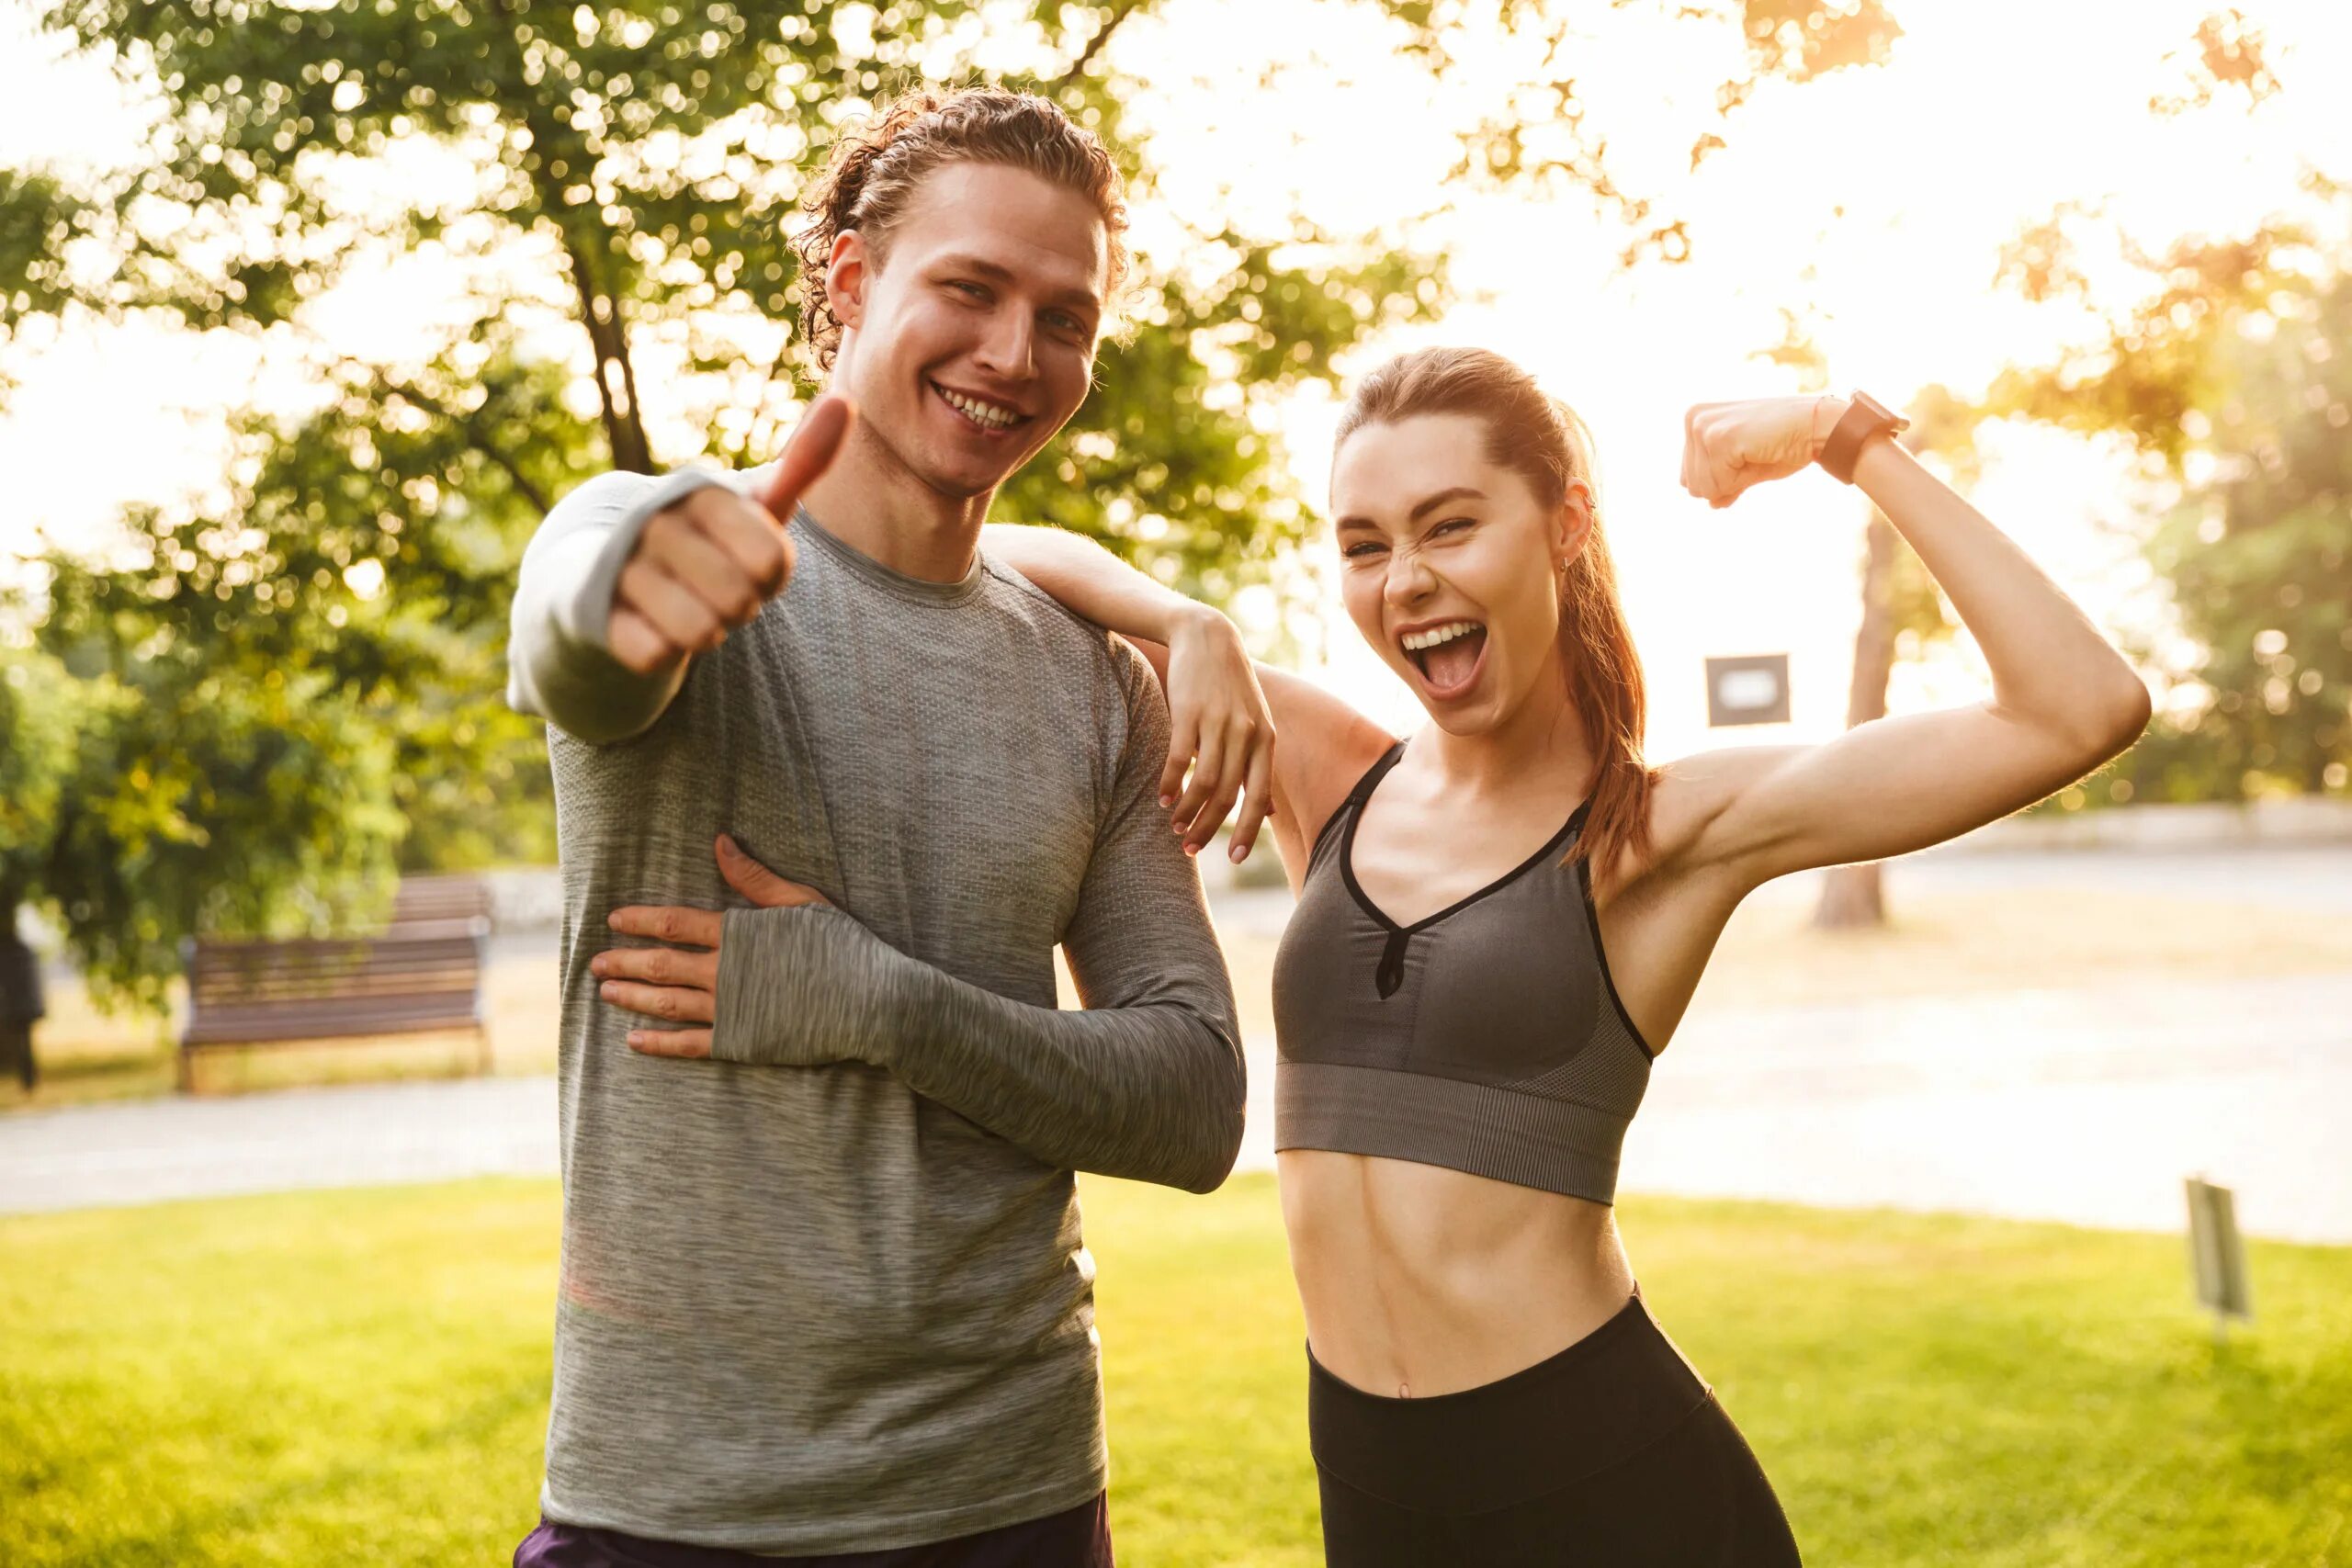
<point x="829" y="1293"/>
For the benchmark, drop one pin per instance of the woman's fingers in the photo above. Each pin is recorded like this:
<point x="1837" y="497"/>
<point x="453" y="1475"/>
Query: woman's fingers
<point x="1256" y="804"/>
<point x="1233" y="778"/>
<point x="1208" y="778"/>
<point x="1183" y="740"/>
<point x="689" y="1044"/>
<point x="676" y="1004"/>
<point x="691" y="927"/>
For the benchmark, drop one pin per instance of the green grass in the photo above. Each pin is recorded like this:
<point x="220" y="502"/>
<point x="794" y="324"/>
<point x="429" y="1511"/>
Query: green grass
<point x="362" y="1376"/>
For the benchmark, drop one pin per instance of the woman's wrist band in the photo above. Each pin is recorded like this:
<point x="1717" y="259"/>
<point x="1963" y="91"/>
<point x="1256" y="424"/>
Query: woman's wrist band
<point x="1865" y="417"/>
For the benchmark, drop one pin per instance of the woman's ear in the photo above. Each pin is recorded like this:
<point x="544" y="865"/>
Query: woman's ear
<point x="1572" y="523"/>
<point x="848" y="271"/>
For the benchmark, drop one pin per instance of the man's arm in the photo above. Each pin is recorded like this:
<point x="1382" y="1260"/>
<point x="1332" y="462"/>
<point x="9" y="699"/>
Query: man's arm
<point x="630" y="576"/>
<point x="1146" y="1083"/>
<point x="560" y="663"/>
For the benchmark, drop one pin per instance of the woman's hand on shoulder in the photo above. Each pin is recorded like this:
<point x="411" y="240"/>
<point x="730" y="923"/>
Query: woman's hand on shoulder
<point x="1221" y="729"/>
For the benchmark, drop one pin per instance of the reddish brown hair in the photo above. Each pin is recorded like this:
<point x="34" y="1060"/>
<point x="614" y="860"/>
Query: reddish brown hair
<point x="1542" y="440"/>
<point x="876" y="168"/>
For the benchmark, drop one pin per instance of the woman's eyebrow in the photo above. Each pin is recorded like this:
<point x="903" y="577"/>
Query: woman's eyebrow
<point x="1420" y="509"/>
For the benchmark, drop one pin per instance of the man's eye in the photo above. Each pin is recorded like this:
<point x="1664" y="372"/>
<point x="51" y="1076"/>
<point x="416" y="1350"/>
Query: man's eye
<point x="1354" y="550"/>
<point x="972" y="289"/>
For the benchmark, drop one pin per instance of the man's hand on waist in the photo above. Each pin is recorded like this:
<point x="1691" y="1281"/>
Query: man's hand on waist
<point x="678" y="983"/>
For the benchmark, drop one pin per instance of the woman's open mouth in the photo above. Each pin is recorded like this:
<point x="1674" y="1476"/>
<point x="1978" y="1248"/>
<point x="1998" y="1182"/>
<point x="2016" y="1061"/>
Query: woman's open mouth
<point x="1448" y="657"/>
<point x="979" y="414"/>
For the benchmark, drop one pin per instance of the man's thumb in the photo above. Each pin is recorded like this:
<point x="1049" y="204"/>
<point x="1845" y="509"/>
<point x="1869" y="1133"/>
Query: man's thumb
<point x="809" y="454"/>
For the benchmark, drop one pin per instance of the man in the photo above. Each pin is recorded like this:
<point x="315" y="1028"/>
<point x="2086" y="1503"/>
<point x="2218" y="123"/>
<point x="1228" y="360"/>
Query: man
<point x="824" y="1294"/>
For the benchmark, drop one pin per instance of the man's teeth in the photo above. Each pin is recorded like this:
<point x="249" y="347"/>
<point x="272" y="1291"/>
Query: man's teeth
<point x="1416" y="641"/>
<point x="995" y="418"/>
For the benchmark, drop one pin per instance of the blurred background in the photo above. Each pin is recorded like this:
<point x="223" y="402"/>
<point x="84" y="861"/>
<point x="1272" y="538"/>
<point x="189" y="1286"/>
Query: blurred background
<point x="309" y="311"/>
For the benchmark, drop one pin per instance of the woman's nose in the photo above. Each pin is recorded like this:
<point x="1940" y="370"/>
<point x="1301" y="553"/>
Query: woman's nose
<point x="1408" y="579"/>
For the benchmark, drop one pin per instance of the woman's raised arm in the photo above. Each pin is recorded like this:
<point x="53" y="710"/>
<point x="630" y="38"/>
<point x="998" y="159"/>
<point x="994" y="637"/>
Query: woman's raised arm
<point x="2062" y="702"/>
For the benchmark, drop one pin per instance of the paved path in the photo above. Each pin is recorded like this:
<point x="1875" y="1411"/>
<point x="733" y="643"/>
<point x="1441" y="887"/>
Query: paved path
<point x="2087" y="1105"/>
<point x="2084" y="1105"/>
<point x="263" y="1143"/>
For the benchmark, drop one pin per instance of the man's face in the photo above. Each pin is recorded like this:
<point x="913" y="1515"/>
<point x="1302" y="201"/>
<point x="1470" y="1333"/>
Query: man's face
<point x="971" y="341"/>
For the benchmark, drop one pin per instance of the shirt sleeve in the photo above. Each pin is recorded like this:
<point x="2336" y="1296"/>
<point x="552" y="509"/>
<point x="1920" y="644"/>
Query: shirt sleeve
<point x="560" y="665"/>
<point x="1146" y="1082"/>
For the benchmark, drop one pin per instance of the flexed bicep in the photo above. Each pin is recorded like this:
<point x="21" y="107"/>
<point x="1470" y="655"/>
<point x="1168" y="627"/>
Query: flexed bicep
<point x="1884" y="788"/>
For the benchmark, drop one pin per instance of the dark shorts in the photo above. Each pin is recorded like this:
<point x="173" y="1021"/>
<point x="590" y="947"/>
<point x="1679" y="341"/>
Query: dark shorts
<point x="1075" y="1538"/>
<point x="1612" y="1452"/>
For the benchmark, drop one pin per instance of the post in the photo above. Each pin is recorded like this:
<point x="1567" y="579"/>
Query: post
<point x="2216" y="1255"/>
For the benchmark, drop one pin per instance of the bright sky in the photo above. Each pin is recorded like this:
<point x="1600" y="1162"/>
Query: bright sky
<point x="1873" y="202"/>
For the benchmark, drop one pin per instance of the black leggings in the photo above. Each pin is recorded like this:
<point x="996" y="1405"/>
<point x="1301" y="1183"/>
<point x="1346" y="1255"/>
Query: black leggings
<point x="1610" y="1453"/>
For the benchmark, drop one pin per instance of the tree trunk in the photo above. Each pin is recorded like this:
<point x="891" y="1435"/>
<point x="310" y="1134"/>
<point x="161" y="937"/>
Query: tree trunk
<point x="1852" y="896"/>
<point x="20" y="999"/>
<point x="616" y="377"/>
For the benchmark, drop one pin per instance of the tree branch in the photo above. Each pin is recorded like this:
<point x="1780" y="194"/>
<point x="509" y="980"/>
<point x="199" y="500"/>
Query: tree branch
<point x="1119" y="14"/>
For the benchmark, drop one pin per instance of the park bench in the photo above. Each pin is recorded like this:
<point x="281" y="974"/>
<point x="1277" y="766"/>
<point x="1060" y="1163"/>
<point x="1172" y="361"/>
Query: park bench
<point x="421" y="974"/>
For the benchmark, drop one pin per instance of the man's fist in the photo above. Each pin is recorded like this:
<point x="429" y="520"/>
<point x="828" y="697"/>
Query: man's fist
<point x="708" y="564"/>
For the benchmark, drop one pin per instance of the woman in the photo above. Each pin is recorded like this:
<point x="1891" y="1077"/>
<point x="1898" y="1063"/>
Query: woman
<point x="1501" y="919"/>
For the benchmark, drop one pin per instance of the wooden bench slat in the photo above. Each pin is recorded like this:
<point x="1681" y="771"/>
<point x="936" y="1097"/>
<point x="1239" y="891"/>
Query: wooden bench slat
<point x="420" y="973"/>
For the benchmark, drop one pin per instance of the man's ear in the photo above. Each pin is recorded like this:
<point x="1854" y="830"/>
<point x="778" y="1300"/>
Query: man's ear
<point x="848" y="271"/>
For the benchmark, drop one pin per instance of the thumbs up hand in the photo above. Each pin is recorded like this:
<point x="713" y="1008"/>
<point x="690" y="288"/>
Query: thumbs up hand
<point x="708" y="564"/>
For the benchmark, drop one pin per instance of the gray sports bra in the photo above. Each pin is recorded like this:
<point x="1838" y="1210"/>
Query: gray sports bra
<point x="1487" y="1038"/>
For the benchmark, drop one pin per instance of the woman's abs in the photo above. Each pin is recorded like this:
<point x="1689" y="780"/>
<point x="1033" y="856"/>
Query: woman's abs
<point x="1421" y="1280"/>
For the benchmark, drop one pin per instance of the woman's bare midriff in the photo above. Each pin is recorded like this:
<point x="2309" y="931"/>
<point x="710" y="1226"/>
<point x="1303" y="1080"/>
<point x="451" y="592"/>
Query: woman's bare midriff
<point x="1421" y="1280"/>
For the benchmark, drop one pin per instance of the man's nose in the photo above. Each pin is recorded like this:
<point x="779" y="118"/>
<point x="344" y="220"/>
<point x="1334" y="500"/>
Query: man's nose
<point x="1006" y="350"/>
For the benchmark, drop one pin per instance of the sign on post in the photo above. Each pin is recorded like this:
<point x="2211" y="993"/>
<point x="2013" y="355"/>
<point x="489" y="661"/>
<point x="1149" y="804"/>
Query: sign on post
<point x="2217" y="1254"/>
<point x="1750" y="688"/>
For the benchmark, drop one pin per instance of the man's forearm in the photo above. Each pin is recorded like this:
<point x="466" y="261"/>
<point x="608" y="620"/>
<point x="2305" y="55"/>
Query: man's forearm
<point x="1152" y="1091"/>
<point x="559" y="664"/>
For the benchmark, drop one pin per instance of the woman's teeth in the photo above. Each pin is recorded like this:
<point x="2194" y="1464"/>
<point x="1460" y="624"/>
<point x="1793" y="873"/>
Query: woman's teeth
<point x="1417" y="641"/>
<point x="979" y="413"/>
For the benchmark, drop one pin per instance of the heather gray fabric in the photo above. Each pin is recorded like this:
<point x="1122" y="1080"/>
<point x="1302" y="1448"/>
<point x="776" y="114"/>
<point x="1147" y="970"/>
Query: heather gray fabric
<point x="1487" y="1038"/>
<point x="846" y="1305"/>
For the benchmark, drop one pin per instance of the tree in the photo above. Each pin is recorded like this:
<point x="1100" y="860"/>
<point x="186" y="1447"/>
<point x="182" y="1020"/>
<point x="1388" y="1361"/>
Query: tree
<point x="304" y="667"/>
<point x="2231" y="380"/>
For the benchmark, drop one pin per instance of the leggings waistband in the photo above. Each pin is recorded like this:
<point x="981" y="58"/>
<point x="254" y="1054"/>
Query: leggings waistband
<point x="1619" y="1388"/>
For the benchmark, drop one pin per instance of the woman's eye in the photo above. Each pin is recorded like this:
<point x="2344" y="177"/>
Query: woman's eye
<point x="971" y="291"/>
<point x="1352" y="551"/>
<point x="1451" y="522"/>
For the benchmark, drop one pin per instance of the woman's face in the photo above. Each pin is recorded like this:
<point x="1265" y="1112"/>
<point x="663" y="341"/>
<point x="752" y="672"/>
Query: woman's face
<point x="1449" y="564"/>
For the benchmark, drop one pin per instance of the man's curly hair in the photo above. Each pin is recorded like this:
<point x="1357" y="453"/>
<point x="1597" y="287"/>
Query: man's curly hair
<point x="876" y="168"/>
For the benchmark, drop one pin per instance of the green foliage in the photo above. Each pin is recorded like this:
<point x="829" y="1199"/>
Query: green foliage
<point x="1537" y="137"/>
<point x="616" y="182"/>
<point x="36" y="741"/>
<point x="2233" y="379"/>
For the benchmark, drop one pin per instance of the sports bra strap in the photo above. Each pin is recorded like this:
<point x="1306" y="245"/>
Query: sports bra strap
<point x="1357" y="795"/>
